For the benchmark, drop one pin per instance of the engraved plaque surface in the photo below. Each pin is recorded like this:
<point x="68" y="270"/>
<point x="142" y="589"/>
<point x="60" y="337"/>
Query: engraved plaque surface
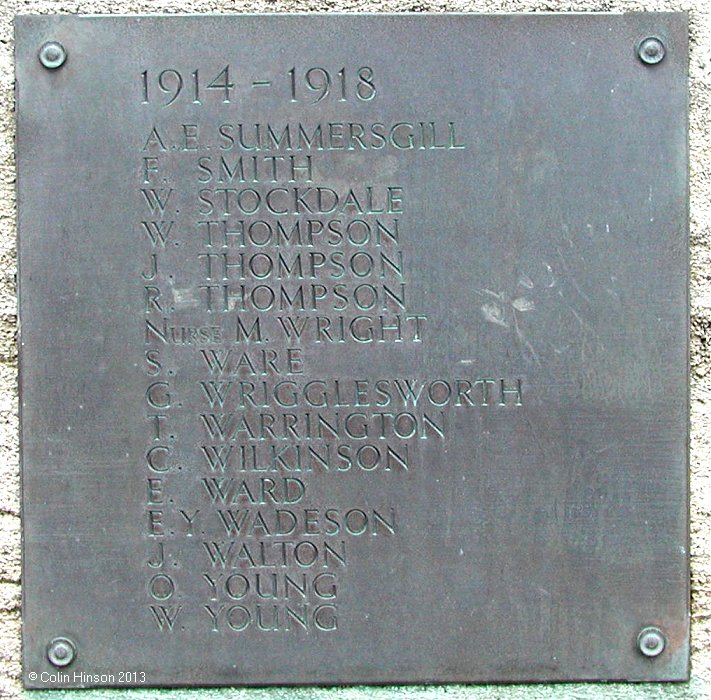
<point x="353" y="348"/>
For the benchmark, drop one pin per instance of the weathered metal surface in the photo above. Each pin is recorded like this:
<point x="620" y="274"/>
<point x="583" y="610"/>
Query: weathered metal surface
<point x="389" y="313"/>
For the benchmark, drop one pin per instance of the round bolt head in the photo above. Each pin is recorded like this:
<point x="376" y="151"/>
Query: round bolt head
<point x="61" y="651"/>
<point x="651" y="50"/>
<point x="651" y="642"/>
<point x="52" y="55"/>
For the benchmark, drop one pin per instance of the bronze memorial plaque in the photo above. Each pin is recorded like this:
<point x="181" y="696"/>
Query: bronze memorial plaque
<point x="353" y="348"/>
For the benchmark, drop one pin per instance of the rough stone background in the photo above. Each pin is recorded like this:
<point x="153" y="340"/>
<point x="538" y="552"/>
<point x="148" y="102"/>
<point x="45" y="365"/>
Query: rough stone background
<point x="700" y="136"/>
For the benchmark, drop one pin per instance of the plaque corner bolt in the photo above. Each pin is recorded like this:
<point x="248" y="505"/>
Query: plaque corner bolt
<point x="651" y="642"/>
<point x="52" y="55"/>
<point x="651" y="50"/>
<point x="61" y="652"/>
